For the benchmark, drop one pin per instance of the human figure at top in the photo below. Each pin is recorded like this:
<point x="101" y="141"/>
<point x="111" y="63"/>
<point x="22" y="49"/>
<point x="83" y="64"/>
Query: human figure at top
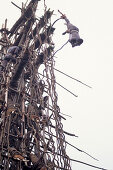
<point x="73" y="31"/>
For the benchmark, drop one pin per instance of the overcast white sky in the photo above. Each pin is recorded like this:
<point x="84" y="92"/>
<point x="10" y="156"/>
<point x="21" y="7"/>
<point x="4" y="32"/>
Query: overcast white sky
<point x="92" y="63"/>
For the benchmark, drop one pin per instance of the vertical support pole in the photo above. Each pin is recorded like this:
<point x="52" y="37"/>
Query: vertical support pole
<point x="23" y="122"/>
<point x="6" y="92"/>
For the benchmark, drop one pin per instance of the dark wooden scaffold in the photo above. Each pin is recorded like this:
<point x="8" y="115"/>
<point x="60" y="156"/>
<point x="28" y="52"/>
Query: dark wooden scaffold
<point x="31" y="132"/>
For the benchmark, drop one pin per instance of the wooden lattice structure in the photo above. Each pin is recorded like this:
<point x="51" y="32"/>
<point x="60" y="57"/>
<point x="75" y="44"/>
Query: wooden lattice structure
<point x="31" y="132"/>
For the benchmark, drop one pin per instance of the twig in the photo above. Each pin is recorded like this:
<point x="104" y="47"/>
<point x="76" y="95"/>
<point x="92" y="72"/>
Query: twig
<point x="16" y="5"/>
<point x="67" y="133"/>
<point x="59" y="112"/>
<point x="81" y="151"/>
<point x="72" y="78"/>
<point x="60" y="48"/>
<point x="61" y="86"/>
<point x="70" y="134"/>
<point x="74" y="147"/>
<point x="67" y="89"/>
<point x="66" y="115"/>
<point x="55" y="21"/>
<point x="93" y="166"/>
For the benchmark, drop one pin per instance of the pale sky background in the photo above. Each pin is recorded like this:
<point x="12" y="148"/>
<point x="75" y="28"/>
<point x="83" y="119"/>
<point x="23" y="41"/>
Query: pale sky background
<point x="92" y="63"/>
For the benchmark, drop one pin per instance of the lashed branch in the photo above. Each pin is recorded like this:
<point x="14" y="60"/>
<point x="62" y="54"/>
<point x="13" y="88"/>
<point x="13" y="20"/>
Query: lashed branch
<point x="16" y="5"/>
<point x="19" y="70"/>
<point x="43" y="21"/>
<point x="28" y="13"/>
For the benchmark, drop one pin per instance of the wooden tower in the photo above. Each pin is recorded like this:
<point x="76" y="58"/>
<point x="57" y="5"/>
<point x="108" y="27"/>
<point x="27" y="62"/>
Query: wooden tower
<point x="31" y="132"/>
